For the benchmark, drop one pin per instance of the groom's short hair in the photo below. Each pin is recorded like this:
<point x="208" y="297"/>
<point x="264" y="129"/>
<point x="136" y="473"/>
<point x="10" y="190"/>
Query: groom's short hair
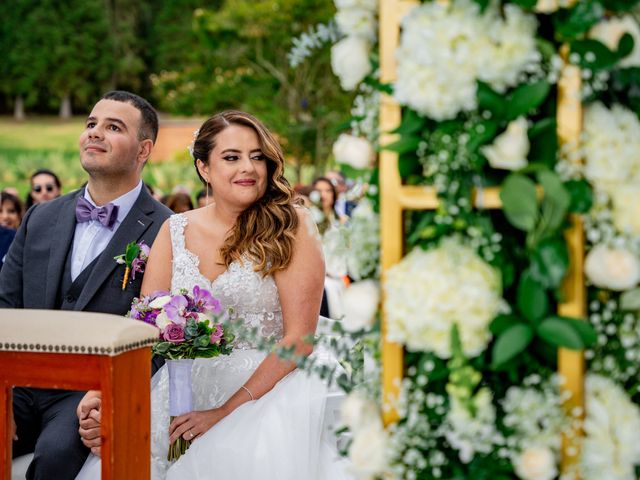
<point x="149" y="117"/>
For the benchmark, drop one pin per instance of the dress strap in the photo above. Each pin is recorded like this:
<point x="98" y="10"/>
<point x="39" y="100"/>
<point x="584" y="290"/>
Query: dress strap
<point x="177" y="223"/>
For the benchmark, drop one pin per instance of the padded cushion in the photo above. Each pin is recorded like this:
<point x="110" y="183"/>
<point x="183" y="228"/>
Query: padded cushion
<point x="62" y="331"/>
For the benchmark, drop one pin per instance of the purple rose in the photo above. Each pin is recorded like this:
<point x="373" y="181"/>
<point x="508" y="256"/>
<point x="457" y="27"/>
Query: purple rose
<point x="216" y="334"/>
<point x="173" y="333"/>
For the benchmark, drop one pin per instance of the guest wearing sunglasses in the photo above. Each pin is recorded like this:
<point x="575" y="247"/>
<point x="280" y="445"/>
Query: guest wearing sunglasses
<point x="45" y="186"/>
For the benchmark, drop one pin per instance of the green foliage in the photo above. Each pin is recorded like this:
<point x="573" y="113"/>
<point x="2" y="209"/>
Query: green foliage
<point x="519" y="200"/>
<point x="532" y="298"/>
<point x="511" y="342"/>
<point x="570" y="24"/>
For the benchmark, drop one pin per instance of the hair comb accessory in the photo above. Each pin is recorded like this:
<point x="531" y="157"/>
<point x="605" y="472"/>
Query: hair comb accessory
<point x="196" y="132"/>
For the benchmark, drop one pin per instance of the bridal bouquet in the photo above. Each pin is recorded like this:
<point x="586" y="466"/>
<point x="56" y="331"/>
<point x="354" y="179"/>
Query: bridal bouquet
<point x="190" y="327"/>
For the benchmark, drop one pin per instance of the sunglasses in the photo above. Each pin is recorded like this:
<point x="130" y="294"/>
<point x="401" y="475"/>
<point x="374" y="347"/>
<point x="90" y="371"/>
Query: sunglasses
<point x="49" y="187"/>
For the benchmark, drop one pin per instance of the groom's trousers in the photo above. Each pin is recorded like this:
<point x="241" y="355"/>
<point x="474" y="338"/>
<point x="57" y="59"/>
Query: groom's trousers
<point x="48" y="427"/>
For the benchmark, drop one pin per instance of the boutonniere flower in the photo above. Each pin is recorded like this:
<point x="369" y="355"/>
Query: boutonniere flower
<point x="134" y="259"/>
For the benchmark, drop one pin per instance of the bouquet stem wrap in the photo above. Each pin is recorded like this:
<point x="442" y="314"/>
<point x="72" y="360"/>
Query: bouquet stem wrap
<point x="180" y="400"/>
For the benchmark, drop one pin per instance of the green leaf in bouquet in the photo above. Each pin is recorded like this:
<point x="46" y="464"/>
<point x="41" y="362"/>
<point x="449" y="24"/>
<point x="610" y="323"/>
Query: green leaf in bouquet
<point x="557" y="331"/>
<point x="202" y="341"/>
<point x="555" y="203"/>
<point x="513" y="341"/>
<point x="593" y="54"/>
<point x="406" y="144"/>
<point x="501" y="323"/>
<point x="573" y="23"/>
<point x="544" y="143"/>
<point x="526" y="98"/>
<point x="549" y="262"/>
<point x="411" y="123"/>
<point x="581" y="196"/>
<point x="586" y="331"/>
<point x="532" y="298"/>
<point x="630" y="300"/>
<point x="625" y="45"/>
<point x="161" y="348"/>
<point x="490" y="100"/>
<point x="520" y="202"/>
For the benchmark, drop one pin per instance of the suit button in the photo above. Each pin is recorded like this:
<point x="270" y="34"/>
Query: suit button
<point x="69" y="298"/>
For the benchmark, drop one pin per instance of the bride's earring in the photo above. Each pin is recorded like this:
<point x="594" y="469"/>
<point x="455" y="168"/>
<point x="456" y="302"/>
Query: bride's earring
<point x="208" y="187"/>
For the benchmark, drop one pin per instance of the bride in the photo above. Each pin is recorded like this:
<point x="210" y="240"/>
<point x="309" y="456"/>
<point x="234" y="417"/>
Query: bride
<point x="256" y="416"/>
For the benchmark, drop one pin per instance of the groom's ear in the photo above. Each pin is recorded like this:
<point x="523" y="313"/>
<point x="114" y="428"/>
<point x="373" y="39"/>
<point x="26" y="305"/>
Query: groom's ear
<point x="144" y="150"/>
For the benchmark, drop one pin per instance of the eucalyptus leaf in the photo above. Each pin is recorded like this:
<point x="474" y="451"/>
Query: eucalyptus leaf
<point x="630" y="300"/>
<point x="593" y="54"/>
<point x="526" y="98"/>
<point x="532" y="298"/>
<point x="502" y="322"/>
<point x="557" y="331"/>
<point x="585" y="330"/>
<point x="581" y="196"/>
<point x="406" y="144"/>
<point x="513" y="341"/>
<point x="519" y="200"/>
<point x="556" y="200"/>
<point x="573" y="23"/>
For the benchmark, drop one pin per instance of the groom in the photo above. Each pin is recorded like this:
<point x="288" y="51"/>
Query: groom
<point x="63" y="258"/>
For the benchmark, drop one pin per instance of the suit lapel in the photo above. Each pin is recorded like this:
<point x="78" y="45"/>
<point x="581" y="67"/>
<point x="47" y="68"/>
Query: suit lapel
<point x="135" y="224"/>
<point x="61" y="242"/>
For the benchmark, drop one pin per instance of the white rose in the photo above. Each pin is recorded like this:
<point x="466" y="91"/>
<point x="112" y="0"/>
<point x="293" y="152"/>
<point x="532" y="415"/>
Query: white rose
<point x="547" y="6"/>
<point x="357" y="22"/>
<point x="509" y="149"/>
<point x="360" y="302"/>
<point x="615" y="269"/>
<point x="354" y="151"/>
<point x="626" y="208"/>
<point x="350" y="61"/>
<point x="358" y="411"/>
<point x="611" y="31"/>
<point x="536" y="463"/>
<point x="162" y="320"/>
<point x="160" y="301"/>
<point x="368" y="452"/>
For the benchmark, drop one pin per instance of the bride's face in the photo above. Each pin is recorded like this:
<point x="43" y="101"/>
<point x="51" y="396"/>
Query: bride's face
<point x="237" y="169"/>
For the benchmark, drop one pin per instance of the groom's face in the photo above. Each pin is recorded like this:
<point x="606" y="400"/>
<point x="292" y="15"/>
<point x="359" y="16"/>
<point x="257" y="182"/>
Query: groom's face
<point x="109" y="144"/>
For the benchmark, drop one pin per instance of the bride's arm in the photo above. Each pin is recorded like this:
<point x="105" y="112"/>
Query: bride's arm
<point x="157" y="275"/>
<point x="300" y="289"/>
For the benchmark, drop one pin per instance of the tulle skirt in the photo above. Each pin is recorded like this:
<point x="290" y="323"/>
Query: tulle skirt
<point x="280" y="436"/>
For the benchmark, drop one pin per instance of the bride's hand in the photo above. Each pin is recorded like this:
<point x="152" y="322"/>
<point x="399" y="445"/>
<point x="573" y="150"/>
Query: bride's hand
<point x="193" y="424"/>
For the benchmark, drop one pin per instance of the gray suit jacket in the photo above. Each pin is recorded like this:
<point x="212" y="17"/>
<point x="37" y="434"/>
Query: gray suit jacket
<point x="32" y="273"/>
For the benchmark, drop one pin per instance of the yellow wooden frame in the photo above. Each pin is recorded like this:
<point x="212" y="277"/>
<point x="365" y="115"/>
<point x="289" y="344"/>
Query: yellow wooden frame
<point x="395" y="198"/>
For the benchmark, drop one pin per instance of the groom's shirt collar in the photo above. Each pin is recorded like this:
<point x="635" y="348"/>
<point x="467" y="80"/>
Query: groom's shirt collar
<point x="124" y="202"/>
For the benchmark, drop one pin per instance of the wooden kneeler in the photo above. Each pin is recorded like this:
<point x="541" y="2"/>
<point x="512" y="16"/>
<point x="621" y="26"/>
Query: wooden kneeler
<point x="83" y="351"/>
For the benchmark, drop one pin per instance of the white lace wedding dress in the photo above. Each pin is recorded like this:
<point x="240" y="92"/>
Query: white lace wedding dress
<point x="280" y="436"/>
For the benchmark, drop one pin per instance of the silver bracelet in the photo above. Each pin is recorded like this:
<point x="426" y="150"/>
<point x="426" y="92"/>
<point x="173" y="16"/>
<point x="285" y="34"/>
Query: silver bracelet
<point x="248" y="391"/>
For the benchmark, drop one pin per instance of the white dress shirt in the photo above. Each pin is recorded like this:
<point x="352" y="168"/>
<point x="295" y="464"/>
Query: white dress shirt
<point x="91" y="237"/>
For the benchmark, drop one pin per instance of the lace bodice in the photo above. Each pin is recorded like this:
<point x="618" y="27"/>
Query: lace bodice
<point x="250" y="296"/>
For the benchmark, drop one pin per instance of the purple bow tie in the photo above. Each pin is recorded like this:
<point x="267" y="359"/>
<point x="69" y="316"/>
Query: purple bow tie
<point x="106" y="215"/>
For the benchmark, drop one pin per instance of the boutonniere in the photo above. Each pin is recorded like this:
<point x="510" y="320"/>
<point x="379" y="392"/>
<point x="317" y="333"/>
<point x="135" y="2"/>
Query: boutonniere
<point x="134" y="259"/>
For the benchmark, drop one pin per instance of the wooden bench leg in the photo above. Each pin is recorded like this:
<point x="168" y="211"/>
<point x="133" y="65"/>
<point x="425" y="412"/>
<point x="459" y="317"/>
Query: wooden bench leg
<point x="6" y="439"/>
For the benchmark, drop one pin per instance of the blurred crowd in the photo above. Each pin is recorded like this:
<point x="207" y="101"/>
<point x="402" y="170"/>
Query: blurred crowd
<point x="331" y="199"/>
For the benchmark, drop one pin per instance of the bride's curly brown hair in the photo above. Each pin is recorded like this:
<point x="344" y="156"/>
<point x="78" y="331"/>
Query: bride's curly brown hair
<point x="266" y="230"/>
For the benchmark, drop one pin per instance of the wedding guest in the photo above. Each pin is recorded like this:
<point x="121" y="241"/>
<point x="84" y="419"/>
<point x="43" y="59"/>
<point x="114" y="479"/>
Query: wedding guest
<point x="62" y="258"/>
<point x="328" y="198"/>
<point x="179" y="202"/>
<point x="10" y="211"/>
<point x="12" y="190"/>
<point x="343" y="206"/>
<point x="45" y="186"/>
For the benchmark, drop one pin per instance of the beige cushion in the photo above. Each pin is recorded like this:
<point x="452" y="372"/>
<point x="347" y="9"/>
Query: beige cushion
<point x="72" y="332"/>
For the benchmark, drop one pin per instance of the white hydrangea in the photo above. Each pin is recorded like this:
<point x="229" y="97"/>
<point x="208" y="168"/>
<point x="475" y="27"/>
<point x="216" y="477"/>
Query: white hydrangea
<point x="357" y="22"/>
<point x="611" y="447"/>
<point x="430" y="291"/>
<point x="354" y="151"/>
<point x="446" y="47"/>
<point x="363" y="231"/>
<point x="469" y="433"/>
<point x="626" y="208"/>
<point x="611" y="146"/>
<point x="360" y="302"/>
<point x="610" y="31"/>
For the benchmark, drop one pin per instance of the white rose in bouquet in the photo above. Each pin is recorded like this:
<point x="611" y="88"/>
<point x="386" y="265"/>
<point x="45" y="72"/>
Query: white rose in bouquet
<point x="357" y="22"/>
<point x="613" y="268"/>
<point x="350" y="61"/>
<point x="626" y="208"/>
<point x="509" y="150"/>
<point x="430" y="291"/>
<point x="358" y="411"/>
<point x="162" y="320"/>
<point x="360" y="302"/>
<point x="354" y="151"/>
<point x="536" y="463"/>
<point x="160" y="301"/>
<point x="611" y="30"/>
<point x="369" y="452"/>
<point x="611" y="447"/>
